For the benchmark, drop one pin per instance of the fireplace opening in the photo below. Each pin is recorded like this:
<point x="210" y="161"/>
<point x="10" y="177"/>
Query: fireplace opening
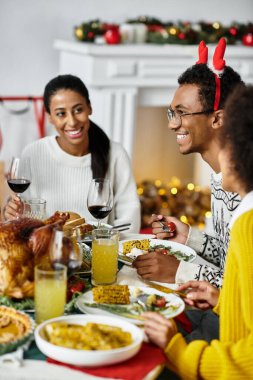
<point x="156" y="154"/>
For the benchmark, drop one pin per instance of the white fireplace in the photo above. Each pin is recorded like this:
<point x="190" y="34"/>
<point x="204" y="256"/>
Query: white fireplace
<point x="123" y="79"/>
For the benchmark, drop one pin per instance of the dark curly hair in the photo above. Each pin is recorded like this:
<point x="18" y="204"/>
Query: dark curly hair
<point x="99" y="143"/>
<point x="237" y="132"/>
<point x="203" y="77"/>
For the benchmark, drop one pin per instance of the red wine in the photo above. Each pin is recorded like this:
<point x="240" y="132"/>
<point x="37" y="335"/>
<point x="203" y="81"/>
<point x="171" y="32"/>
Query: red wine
<point x="18" y="185"/>
<point x="99" y="212"/>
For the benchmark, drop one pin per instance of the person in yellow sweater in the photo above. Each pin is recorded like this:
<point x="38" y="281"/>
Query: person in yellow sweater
<point x="231" y="356"/>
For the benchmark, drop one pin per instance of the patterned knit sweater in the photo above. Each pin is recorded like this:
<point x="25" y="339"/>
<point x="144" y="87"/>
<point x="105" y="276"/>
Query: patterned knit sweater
<point x="230" y="357"/>
<point x="211" y="248"/>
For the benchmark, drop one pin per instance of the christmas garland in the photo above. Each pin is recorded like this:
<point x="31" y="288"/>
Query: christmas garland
<point x="159" y="32"/>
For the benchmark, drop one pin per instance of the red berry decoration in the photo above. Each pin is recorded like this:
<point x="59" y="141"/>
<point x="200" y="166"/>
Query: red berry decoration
<point x="171" y="227"/>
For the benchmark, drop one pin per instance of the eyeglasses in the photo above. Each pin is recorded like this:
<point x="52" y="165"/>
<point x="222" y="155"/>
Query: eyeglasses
<point x="176" y="116"/>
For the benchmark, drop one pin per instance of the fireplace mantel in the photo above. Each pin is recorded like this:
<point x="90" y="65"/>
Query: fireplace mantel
<point x="122" y="77"/>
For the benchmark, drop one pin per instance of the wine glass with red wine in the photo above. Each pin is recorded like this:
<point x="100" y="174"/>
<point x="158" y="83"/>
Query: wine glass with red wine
<point x="100" y="199"/>
<point x="19" y="175"/>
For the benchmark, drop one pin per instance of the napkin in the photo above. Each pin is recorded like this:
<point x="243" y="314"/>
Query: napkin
<point x="135" y="368"/>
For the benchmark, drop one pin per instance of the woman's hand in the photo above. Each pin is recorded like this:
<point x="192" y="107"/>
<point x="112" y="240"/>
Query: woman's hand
<point x="159" y="329"/>
<point x="180" y="234"/>
<point x="13" y="208"/>
<point x="200" y="294"/>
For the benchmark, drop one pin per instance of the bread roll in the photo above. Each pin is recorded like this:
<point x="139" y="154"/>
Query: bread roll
<point x="73" y="221"/>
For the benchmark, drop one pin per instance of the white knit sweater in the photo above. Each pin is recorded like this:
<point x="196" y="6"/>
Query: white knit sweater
<point x="63" y="180"/>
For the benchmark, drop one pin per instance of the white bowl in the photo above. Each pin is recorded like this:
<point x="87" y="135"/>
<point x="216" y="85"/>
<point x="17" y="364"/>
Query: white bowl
<point x="89" y="358"/>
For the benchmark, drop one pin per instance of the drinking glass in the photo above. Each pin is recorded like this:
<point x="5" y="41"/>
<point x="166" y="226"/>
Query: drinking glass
<point x="104" y="264"/>
<point x="35" y="208"/>
<point x="50" y="291"/>
<point x="100" y="199"/>
<point x="65" y="249"/>
<point x="19" y="175"/>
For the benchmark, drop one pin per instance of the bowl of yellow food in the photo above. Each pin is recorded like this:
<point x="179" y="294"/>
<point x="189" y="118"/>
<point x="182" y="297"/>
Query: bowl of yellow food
<point x="88" y="340"/>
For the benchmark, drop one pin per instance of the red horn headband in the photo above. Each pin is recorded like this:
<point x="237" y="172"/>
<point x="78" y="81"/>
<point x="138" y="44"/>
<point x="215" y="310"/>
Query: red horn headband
<point x="218" y="65"/>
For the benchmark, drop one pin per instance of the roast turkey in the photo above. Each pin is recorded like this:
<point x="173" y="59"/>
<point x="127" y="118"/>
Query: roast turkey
<point x="24" y="243"/>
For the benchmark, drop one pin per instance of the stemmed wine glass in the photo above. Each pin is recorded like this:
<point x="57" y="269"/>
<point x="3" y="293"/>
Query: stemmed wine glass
<point x="64" y="248"/>
<point x="19" y="175"/>
<point x="100" y="199"/>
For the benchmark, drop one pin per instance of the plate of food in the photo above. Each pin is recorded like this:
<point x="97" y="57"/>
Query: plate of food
<point x="89" y="340"/>
<point x="129" y="302"/>
<point x="16" y="328"/>
<point x="130" y="249"/>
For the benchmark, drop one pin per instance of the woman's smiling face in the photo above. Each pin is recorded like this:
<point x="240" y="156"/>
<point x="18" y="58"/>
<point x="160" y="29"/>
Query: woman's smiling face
<point x="69" y="113"/>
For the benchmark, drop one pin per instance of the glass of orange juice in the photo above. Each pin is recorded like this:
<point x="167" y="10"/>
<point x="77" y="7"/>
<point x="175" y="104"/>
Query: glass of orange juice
<point x="50" y="291"/>
<point x="104" y="263"/>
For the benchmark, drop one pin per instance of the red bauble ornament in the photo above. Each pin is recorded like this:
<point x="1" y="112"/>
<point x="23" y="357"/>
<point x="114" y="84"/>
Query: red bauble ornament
<point x="247" y="39"/>
<point x="181" y="36"/>
<point x="112" y="36"/>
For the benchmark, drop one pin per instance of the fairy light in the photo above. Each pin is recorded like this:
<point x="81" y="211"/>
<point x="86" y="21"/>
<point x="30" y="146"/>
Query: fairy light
<point x="216" y="25"/>
<point x="190" y="186"/>
<point x="176" y="198"/>
<point x="158" y="182"/>
<point x="174" y="182"/>
<point x="208" y="214"/>
<point x="183" y="219"/>
<point x="201" y="226"/>
<point x="173" y="190"/>
<point x="173" y="31"/>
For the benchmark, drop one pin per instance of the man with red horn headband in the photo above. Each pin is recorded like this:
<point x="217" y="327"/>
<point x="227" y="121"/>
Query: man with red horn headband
<point x="196" y="116"/>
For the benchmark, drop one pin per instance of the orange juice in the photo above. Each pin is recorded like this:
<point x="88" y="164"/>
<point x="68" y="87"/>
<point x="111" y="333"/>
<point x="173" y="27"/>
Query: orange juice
<point x="104" y="261"/>
<point x="50" y="293"/>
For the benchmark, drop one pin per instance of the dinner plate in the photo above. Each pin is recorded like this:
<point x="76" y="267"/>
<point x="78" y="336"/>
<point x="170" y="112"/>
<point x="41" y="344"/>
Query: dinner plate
<point x="175" y="305"/>
<point x="90" y="358"/>
<point x="186" y="253"/>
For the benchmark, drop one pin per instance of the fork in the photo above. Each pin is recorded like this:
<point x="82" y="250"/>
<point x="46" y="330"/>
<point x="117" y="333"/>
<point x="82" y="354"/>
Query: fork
<point x="121" y="227"/>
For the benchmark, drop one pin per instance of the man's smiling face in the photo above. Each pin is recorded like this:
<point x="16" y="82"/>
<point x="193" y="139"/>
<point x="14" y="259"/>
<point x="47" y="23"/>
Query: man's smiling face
<point x="195" y="132"/>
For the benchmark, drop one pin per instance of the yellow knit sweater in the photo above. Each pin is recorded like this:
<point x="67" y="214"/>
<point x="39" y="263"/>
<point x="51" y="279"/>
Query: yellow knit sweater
<point x="230" y="357"/>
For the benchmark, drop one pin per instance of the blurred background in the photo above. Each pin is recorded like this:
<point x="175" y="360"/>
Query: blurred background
<point x="29" y="59"/>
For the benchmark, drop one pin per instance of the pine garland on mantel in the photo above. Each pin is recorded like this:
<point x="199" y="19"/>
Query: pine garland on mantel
<point x="158" y="32"/>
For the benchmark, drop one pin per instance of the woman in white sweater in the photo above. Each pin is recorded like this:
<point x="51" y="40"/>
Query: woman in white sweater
<point x="62" y="166"/>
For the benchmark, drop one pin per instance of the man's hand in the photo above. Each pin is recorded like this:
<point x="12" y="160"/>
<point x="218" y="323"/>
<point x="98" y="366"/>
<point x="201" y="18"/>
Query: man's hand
<point x="200" y="294"/>
<point x="180" y="235"/>
<point x="159" y="329"/>
<point x="14" y="208"/>
<point x="157" y="267"/>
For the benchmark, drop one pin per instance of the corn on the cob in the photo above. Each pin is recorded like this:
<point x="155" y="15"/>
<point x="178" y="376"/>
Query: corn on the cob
<point x="112" y="294"/>
<point x="141" y="244"/>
